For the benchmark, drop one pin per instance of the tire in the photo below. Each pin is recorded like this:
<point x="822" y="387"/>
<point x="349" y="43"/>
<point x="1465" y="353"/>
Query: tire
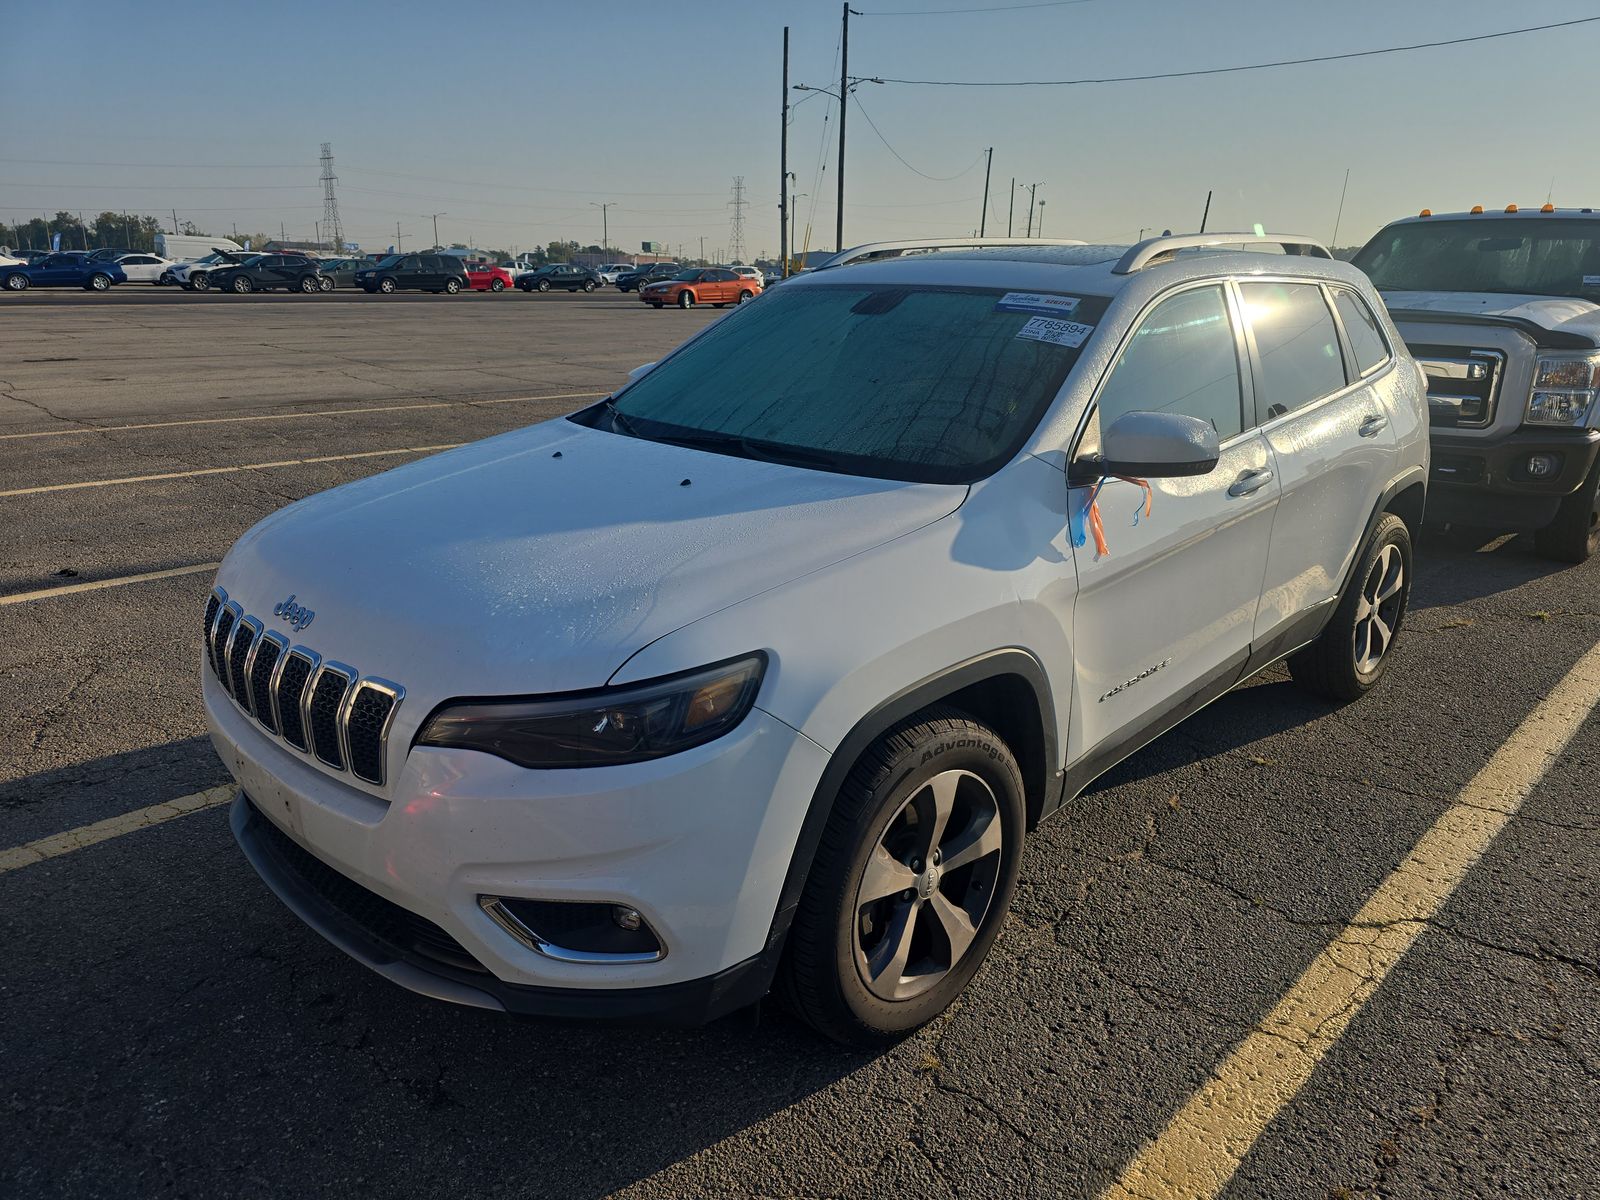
<point x="165" y="280"/>
<point x="1575" y="533"/>
<point x="201" y="281"/>
<point x="544" y="285"/>
<point x="452" y="286"/>
<point x="657" y="306"/>
<point x="326" y="284"/>
<point x="497" y="285"/>
<point x="588" y="285"/>
<point x="98" y="282"/>
<point x="17" y="283"/>
<point x="241" y="285"/>
<point x="309" y="285"/>
<point x="719" y="306"/>
<point x="370" y="289"/>
<point x="1352" y="652"/>
<point x="746" y="296"/>
<point x="836" y="971"/>
<point x="686" y="299"/>
<point x="386" y="286"/>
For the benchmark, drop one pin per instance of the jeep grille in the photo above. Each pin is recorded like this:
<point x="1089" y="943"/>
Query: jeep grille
<point x="319" y="708"/>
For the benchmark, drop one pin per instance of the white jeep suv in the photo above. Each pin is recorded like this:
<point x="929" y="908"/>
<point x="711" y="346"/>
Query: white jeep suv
<point x="758" y="672"/>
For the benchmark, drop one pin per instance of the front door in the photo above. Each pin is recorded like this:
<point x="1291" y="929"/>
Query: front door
<point x="1332" y="448"/>
<point x="1165" y="610"/>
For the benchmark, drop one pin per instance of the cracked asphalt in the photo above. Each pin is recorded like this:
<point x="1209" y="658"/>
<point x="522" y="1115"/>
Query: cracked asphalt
<point x="169" y="1029"/>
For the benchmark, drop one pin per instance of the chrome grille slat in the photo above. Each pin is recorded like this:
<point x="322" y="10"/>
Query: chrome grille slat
<point x="321" y="708"/>
<point x="1463" y="384"/>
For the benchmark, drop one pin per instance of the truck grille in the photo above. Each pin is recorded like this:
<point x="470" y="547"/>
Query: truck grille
<point x="1463" y="385"/>
<point x="325" y="709"/>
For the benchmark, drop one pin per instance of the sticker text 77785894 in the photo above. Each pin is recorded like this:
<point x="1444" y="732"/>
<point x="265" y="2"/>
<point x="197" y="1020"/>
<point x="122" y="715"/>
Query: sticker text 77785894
<point x="1058" y="333"/>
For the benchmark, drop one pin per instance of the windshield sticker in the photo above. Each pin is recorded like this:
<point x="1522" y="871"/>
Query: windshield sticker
<point x="1057" y="333"/>
<point x="1591" y="281"/>
<point x="1034" y="302"/>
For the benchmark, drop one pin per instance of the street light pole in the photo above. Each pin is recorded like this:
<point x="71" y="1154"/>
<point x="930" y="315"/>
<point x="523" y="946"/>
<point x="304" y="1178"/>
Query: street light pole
<point x="844" y="96"/>
<point x="983" y="220"/>
<point x="436" y="217"/>
<point x="1032" y="190"/>
<point x="783" y="164"/>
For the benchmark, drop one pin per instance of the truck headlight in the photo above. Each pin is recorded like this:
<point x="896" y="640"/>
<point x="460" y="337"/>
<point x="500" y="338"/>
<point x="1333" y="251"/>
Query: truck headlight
<point x="1564" y="389"/>
<point x="608" y="726"/>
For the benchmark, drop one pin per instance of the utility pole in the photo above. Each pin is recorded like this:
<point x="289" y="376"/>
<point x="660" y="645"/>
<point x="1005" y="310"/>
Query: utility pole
<point x="844" y="98"/>
<point x="399" y="242"/>
<point x="983" y="220"/>
<point x="702" y="248"/>
<point x="1206" y="216"/>
<point x="1334" y="240"/>
<point x="436" y="217"/>
<point x="1012" y="211"/>
<point x="330" y="203"/>
<point x="605" y="227"/>
<point x="736" y="226"/>
<point x="1041" y="218"/>
<point x="783" y="164"/>
<point x="1033" y="189"/>
<point x="174" y="220"/>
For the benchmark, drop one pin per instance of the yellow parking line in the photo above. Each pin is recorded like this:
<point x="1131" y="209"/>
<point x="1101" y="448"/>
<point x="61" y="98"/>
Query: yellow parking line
<point x="88" y="835"/>
<point x="325" y="412"/>
<point x="287" y="462"/>
<point x="1200" y="1149"/>
<point x="96" y="585"/>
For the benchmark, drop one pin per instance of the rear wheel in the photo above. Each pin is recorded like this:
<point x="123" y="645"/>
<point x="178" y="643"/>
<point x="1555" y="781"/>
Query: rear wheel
<point x="452" y="286"/>
<point x="497" y="285"/>
<point x="98" y="283"/>
<point x="588" y="285"/>
<point x="1350" y="656"/>
<point x="911" y="882"/>
<point x="743" y="296"/>
<point x="1575" y="533"/>
<point x="686" y="299"/>
<point x="325" y="283"/>
<point x="17" y="283"/>
<point x="241" y="284"/>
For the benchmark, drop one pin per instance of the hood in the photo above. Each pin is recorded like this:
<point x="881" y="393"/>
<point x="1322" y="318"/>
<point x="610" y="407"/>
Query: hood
<point x="541" y="560"/>
<point x="1558" y="314"/>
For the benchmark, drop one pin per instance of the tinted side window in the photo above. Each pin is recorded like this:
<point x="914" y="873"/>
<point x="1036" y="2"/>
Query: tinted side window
<point x="1183" y="359"/>
<point x="1297" y="344"/>
<point x="1361" y="327"/>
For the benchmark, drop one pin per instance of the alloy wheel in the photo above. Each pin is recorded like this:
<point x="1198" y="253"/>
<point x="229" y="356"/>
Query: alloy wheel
<point x="1378" y="611"/>
<point x="927" y="886"/>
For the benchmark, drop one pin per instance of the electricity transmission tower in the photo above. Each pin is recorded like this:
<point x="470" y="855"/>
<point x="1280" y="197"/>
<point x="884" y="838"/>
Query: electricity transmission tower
<point x="736" y="232"/>
<point x="330" y="204"/>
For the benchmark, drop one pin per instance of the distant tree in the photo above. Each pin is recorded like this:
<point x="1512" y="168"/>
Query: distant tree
<point x="193" y="230"/>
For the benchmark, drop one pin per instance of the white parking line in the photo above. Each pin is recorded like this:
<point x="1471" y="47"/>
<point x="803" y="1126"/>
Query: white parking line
<point x="326" y="412"/>
<point x="88" y="835"/>
<point x="265" y="466"/>
<point x="1196" y="1155"/>
<point x="96" y="585"/>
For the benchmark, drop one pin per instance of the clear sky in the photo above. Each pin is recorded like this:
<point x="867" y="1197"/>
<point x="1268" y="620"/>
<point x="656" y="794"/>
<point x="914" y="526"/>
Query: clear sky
<point x="514" y="118"/>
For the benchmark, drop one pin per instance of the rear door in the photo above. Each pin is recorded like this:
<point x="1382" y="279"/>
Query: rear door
<point x="1333" y="448"/>
<point x="1165" y="613"/>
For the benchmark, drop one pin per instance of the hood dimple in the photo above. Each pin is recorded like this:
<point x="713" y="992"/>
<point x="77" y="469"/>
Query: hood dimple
<point x="542" y="559"/>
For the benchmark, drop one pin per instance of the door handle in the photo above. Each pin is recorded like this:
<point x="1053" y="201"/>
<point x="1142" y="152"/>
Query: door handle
<point x="1249" y="482"/>
<point x="1373" y="425"/>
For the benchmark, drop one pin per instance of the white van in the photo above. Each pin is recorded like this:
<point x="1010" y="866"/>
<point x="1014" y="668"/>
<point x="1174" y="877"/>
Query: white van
<point x="183" y="247"/>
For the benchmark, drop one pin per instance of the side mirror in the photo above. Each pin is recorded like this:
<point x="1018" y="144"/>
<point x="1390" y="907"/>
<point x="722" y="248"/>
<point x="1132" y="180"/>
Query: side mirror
<point x="1152" y="445"/>
<point x="640" y="372"/>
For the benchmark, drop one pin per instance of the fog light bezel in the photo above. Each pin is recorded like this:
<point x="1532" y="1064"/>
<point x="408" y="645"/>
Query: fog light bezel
<point x="501" y="910"/>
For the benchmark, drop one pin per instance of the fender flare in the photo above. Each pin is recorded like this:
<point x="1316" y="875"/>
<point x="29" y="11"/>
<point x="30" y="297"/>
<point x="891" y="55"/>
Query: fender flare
<point x="930" y="690"/>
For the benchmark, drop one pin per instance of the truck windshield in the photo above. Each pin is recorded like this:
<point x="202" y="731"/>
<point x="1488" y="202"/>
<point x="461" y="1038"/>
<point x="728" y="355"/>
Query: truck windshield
<point x="928" y="384"/>
<point x="1536" y="256"/>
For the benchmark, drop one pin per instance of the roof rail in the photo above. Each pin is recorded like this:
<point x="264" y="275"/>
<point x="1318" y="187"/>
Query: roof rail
<point x="1151" y="249"/>
<point x="874" y="250"/>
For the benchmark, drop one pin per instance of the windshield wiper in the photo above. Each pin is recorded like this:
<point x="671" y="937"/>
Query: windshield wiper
<point x="619" y="419"/>
<point x="754" y="448"/>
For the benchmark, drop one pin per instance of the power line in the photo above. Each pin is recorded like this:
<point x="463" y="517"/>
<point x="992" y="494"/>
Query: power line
<point x="903" y="162"/>
<point x="940" y="12"/>
<point x="1263" y="66"/>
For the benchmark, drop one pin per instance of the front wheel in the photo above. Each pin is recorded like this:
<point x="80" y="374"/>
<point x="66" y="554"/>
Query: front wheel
<point x="452" y="286"/>
<point x="201" y="282"/>
<point x="386" y="286"/>
<point x="911" y="883"/>
<point x="544" y="285"/>
<point x="1352" y="652"/>
<point x="1575" y="533"/>
<point x="241" y="285"/>
<point x="325" y="284"/>
<point x="309" y="285"/>
<point x="497" y="285"/>
<point x="685" y="299"/>
<point x="16" y="283"/>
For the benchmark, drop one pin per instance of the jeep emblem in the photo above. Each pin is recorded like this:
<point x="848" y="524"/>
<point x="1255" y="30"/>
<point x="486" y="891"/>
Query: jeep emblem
<point x="297" y="615"/>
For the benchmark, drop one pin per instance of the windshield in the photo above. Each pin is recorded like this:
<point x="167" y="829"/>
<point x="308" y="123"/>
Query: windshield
<point x="939" y="385"/>
<point x="1532" y="256"/>
<point x="392" y="260"/>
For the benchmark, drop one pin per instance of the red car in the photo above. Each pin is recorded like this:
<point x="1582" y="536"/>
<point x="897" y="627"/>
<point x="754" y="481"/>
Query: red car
<point x="486" y="277"/>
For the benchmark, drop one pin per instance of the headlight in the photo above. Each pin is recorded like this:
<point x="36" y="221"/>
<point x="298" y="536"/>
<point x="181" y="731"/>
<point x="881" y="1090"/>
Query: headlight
<point x="1563" y="389"/>
<point x="625" y="724"/>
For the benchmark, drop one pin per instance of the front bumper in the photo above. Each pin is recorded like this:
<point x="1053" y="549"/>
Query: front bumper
<point x="652" y="297"/>
<point x="698" y="842"/>
<point x="1484" y="481"/>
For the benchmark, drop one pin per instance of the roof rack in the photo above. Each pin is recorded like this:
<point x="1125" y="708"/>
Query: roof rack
<point x="1151" y="249"/>
<point x="869" y="251"/>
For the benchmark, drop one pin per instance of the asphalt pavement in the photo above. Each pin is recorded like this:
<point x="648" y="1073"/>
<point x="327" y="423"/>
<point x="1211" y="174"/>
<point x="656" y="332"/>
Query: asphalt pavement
<point x="168" y="1028"/>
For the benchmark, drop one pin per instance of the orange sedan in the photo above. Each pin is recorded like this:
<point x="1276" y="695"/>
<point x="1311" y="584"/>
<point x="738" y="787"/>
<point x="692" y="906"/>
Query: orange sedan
<point x="716" y="286"/>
